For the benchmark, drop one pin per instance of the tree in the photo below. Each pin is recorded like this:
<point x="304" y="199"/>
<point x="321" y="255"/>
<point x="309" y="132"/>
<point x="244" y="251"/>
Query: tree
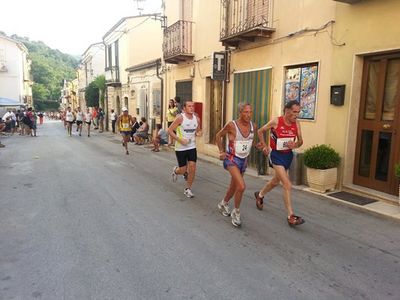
<point x="92" y="95"/>
<point x="100" y="83"/>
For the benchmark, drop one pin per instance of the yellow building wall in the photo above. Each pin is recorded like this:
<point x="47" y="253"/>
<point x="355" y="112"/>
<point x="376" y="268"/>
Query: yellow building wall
<point x="291" y="44"/>
<point x="365" y="28"/>
<point x="205" y="40"/>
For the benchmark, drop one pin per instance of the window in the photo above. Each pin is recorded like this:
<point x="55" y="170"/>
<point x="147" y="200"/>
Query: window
<point x="301" y="86"/>
<point x="109" y="55"/>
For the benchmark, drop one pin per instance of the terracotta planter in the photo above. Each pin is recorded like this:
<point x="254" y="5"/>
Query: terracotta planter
<point x="322" y="180"/>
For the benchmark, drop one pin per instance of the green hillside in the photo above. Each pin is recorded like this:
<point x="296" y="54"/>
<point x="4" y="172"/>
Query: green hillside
<point x="49" y="68"/>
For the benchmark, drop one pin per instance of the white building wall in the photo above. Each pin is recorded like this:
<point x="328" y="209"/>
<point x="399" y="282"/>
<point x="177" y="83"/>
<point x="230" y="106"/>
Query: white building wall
<point x="12" y="80"/>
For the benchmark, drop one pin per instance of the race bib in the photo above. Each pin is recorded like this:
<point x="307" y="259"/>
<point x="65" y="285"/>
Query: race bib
<point x="242" y="148"/>
<point x="125" y="125"/>
<point x="282" y="143"/>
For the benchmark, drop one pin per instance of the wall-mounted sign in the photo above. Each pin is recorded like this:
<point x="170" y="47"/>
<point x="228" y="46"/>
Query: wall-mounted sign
<point x="219" y="66"/>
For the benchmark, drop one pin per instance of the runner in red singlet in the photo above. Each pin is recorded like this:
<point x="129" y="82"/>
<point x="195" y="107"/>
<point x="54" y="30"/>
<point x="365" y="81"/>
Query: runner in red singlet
<point x="285" y="135"/>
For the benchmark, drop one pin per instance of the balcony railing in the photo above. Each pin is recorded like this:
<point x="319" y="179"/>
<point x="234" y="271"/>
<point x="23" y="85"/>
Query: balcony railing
<point x="177" y="46"/>
<point x="112" y="76"/>
<point x="245" y="20"/>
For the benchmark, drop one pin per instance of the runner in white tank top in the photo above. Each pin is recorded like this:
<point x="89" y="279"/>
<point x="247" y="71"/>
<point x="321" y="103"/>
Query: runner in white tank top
<point x="79" y="120"/>
<point x="69" y="118"/>
<point x="240" y="140"/>
<point x="187" y="126"/>
<point x="88" y="120"/>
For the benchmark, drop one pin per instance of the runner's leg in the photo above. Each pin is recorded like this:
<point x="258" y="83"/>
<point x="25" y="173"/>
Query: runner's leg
<point x="287" y="187"/>
<point x="239" y="184"/>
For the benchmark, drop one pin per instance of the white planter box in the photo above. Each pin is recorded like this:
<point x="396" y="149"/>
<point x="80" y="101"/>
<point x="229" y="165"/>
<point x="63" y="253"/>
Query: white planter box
<point x="322" y="180"/>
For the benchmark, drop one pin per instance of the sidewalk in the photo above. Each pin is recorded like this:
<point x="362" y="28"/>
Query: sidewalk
<point x="379" y="208"/>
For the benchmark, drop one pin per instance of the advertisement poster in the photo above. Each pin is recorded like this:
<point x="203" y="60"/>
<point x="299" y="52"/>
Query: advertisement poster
<point x="301" y="85"/>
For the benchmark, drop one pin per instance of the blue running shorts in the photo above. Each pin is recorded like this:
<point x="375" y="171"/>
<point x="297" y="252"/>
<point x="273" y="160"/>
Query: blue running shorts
<point x="279" y="158"/>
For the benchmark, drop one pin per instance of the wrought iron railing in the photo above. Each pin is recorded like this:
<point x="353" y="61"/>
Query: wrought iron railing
<point x="238" y="16"/>
<point x="178" y="39"/>
<point x="112" y="74"/>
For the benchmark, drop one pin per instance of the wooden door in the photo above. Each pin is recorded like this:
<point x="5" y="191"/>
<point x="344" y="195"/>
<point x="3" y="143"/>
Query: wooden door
<point x="377" y="137"/>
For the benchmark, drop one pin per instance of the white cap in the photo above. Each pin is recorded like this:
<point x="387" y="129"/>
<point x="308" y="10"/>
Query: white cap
<point x="124" y="109"/>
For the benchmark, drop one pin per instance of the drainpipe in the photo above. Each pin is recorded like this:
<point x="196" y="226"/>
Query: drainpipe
<point x="158" y="64"/>
<point x="225" y="86"/>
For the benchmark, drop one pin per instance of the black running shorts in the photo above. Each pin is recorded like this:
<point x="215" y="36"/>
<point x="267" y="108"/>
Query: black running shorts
<point x="184" y="156"/>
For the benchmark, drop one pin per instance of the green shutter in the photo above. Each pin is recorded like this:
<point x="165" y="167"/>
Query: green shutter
<point x="253" y="87"/>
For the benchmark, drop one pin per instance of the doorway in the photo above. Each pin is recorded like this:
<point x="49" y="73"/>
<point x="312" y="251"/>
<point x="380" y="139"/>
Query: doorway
<point x="214" y="91"/>
<point x="378" y="144"/>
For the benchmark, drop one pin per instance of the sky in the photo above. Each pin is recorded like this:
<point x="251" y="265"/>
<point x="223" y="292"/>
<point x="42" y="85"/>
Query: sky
<point x="70" y="26"/>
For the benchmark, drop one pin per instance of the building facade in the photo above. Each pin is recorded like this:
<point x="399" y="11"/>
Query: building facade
<point x="190" y="40"/>
<point x="15" y="78"/>
<point x="130" y="43"/>
<point x="92" y="65"/>
<point x="340" y="60"/>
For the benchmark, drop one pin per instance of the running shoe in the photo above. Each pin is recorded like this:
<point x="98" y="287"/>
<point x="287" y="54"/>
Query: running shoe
<point x="174" y="175"/>
<point x="235" y="215"/>
<point x="188" y="193"/>
<point x="224" y="208"/>
<point x="185" y="176"/>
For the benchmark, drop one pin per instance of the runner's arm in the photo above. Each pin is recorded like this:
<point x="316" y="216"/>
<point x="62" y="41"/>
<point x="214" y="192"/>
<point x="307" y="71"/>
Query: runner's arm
<point x="219" y="139"/>
<point x="173" y="127"/>
<point x="299" y="141"/>
<point x="260" y="132"/>
<point x="255" y="128"/>
<point x="198" y="129"/>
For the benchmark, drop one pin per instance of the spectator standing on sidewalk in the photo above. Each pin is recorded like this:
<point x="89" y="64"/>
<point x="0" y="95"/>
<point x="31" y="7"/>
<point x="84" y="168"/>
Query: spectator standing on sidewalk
<point x="171" y="115"/>
<point x="114" y="118"/>
<point x="100" y="117"/>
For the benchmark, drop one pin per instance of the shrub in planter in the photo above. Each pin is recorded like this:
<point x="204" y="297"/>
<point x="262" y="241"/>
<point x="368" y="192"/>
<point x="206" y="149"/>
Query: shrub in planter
<point x="321" y="162"/>
<point x="321" y="157"/>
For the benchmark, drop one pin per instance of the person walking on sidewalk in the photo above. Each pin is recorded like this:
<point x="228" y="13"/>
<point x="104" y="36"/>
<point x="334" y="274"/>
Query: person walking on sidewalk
<point x="88" y="120"/>
<point x="187" y="126"/>
<point x="114" y="118"/>
<point x="240" y="134"/>
<point x="125" y="123"/>
<point x="79" y="120"/>
<point x="285" y="135"/>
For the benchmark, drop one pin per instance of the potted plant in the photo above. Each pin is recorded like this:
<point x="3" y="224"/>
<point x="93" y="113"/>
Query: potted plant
<point x="321" y="162"/>
<point x="397" y="173"/>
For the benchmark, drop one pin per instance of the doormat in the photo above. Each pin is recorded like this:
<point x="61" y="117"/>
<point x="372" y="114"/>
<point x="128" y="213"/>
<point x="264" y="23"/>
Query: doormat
<point x="356" y="199"/>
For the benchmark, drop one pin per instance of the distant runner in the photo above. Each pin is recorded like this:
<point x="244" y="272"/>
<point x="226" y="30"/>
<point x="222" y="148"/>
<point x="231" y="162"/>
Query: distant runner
<point x="125" y="123"/>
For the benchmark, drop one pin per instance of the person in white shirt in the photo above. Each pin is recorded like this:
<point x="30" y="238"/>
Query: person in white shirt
<point x="187" y="126"/>
<point x="69" y="119"/>
<point x="114" y="118"/>
<point x="79" y="120"/>
<point x="88" y="120"/>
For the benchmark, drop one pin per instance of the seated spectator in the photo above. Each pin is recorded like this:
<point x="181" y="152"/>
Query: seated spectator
<point x="161" y="138"/>
<point x="142" y="132"/>
<point x="135" y="127"/>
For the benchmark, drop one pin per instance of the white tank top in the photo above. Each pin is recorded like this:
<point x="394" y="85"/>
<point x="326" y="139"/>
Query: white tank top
<point x="69" y="116"/>
<point x="242" y="145"/>
<point x="187" y="130"/>
<point x="88" y="117"/>
<point x="79" y="116"/>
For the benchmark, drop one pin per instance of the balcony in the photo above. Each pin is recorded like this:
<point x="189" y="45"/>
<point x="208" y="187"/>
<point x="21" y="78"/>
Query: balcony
<point x="112" y="76"/>
<point x="177" y="46"/>
<point x="245" y="21"/>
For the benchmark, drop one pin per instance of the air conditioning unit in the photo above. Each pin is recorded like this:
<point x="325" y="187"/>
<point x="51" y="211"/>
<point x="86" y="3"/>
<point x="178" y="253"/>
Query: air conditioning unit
<point x="3" y="67"/>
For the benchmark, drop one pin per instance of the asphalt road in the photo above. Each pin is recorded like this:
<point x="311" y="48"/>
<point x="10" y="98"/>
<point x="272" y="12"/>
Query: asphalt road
<point x="79" y="219"/>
